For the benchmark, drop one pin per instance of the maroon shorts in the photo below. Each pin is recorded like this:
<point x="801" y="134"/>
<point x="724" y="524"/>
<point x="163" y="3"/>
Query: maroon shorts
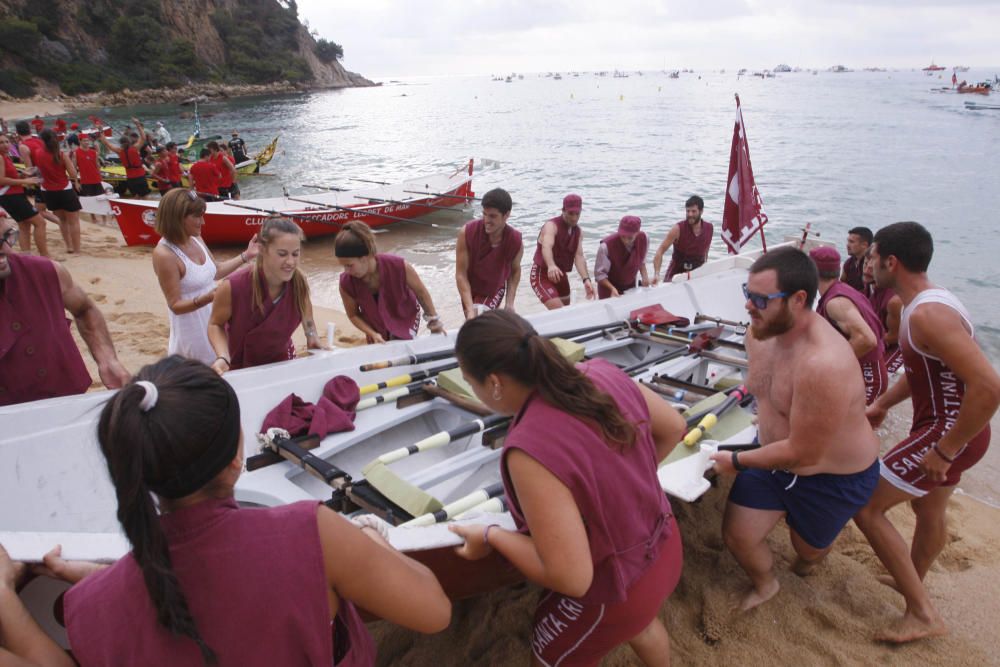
<point x="876" y="379"/>
<point x="491" y="302"/>
<point x="568" y="632"/>
<point x="545" y="289"/>
<point x="901" y="465"/>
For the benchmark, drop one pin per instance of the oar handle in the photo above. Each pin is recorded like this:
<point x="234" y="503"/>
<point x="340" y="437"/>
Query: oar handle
<point x="389" y="396"/>
<point x="388" y="363"/>
<point x="463" y="504"/>
<point x="706" y="424"/>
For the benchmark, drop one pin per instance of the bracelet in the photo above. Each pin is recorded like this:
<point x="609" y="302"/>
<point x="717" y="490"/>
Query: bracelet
<point x="225" y="360"/>
<point x="486" y="533"/>
<point x="937" y="450"/>
<point x="243" y="257"/>
<point x="587" y="279"/>
<point x="431" y="318"/>
<point x="736" y="462"/>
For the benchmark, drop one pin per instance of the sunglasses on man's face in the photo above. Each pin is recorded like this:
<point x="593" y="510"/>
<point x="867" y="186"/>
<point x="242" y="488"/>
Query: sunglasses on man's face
<point x="10" y="237"/>
<point x="760" y="301"/>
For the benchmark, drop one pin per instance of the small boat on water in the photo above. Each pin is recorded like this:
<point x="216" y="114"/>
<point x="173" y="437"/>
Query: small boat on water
<point x="978" y="89"/>
<point x="934" y="68"/>
<point x="56" y="477"/>
<point x="235" y="222"/>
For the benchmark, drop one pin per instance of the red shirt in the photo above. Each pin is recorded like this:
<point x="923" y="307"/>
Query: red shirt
<point x="132" y="161"/>
<point x="53" y="171"/>
<point x="205" y="177"/>
<point x="10" y="171"/>
<point x="86" y="164"/>
<point x="173" y="168"/>
<point x="226" y="178"/>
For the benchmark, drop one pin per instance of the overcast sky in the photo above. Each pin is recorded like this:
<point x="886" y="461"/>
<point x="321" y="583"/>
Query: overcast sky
<point x="389" y="38"/>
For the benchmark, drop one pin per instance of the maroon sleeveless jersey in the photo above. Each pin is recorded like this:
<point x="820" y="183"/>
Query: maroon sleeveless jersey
<point x="394" y="312"/>
<point x="690" y="251"/>
<point x="564" y="248"/>
<point x="260" y="337"/>
<point x="38" y="356"/>
<point x="254" y="581"/>
<point x="853" y="273"/>
<point x="879" y="297"/>
<point x="625" y="263"/>
<point x="489" y="266"/>
<point x="626" y="530"/>
<point x="867" y="313"/>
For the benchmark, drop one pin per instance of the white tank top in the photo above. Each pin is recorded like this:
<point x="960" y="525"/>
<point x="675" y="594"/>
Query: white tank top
<point x="189" y="332"/>
<point x="933" y="295"/>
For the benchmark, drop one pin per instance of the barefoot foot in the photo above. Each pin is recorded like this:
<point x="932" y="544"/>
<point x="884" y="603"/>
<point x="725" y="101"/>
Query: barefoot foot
<point x="804" y="568"/>
<point x="909" y="628"/>
<point x="887" y="580"/>
<point x="758" y="596"/>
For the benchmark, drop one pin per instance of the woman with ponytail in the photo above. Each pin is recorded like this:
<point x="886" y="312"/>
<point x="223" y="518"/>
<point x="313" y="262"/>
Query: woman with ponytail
<point x="579" y="468"/>
<point x="209" y="583"/>
<point x="381" y="291"/>
<point x="255" y="312"/>
<point x="60" y="183"/>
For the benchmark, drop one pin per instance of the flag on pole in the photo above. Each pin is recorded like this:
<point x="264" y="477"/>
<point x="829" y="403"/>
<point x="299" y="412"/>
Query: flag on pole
<point x="743" y="215"/>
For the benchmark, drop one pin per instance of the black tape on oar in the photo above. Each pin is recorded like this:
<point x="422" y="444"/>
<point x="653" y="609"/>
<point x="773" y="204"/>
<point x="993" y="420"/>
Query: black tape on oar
<point x="326" y="470"/>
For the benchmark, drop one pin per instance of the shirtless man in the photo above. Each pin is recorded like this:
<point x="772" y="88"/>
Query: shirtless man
<point x="818" y="463"/>
<point x="955" y="391"/>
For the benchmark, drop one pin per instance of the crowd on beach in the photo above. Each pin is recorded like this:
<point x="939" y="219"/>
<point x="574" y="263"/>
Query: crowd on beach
<point x="607" y="561"/>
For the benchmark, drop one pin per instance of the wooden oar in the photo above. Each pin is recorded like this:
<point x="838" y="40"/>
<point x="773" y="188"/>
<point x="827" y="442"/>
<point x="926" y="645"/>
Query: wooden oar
<point x="391" y="396"/>
<point x="405" y="203"/>
<point x="712" y="418"/>
<point x="453" y="509"/>
<point x="440" y="194"/>
<point x="329" y="188"/>
<point x="740" y="327"/>
<point x="400" y="380"/>
<point x="282" y="214"/>
<point x="439" y="439"/>
<point x="360" y="213"/>
<point x="368" y="180"/>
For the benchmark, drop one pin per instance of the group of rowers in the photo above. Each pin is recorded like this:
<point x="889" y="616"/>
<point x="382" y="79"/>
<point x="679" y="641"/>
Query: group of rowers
<point x="606" y="560"/>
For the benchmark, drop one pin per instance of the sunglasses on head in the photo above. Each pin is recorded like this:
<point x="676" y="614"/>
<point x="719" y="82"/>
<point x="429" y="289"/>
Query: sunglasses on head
<point x="760" y="301"/>
<point x="10" y="237"/>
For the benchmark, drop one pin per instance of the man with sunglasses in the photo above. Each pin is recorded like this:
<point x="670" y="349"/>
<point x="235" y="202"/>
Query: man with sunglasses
<point x="38" y="357"/>
<point x="955" y="392"/>
<point x="488" y="257"/>
<point x="818" y="460"/>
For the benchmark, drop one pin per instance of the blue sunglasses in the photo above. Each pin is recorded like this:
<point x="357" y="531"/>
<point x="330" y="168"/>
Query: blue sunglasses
<point x="760" y="301"/>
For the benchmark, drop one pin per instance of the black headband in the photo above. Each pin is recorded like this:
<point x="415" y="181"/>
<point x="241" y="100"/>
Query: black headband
<point x="218" y="454"/>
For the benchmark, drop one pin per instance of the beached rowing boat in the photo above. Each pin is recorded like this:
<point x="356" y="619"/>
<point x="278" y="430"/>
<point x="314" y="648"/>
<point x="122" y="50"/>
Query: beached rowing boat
<point x="237" y="222"/>
<point x="56" y="478"/>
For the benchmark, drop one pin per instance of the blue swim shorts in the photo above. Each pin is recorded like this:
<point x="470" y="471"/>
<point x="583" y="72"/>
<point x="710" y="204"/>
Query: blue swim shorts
<point x="817" y="507"/>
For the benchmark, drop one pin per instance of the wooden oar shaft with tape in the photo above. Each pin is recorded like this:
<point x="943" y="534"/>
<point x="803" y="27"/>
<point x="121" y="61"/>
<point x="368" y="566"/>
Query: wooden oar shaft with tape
<point x="442" y="438"/>
<point x="400" y="380"/>
<point x="391" y="396"/>
<point x="453" y="509"/>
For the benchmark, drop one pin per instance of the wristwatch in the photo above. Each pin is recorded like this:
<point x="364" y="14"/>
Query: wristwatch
<point x="736" y="462"/>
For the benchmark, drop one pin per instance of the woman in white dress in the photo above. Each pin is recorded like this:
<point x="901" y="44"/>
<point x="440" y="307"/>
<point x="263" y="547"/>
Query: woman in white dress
<point x="188" y="272"/>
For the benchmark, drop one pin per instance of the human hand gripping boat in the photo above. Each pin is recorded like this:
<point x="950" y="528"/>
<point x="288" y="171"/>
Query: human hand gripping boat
<point x="321" y="214"/>
<point x="55" y="488"/>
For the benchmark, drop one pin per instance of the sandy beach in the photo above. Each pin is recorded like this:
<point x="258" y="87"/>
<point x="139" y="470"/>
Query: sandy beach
<point x="827" y="618"/>
<point x="13" y="110"/>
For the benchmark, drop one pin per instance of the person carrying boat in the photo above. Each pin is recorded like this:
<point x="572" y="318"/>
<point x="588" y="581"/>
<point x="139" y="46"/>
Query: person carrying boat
<point x="621" y="258"/>
<point x="205" y="176"/>
<point x="14" y="200"/>
<point x="238" y="148"/>
<point x="488" y="257"/>
<point x="24" y="642"/>
<point x="955" y="392"/>
<point x="559" y="249"/>
<point x="187" y="271"/>
<point x="175" y="433"/>
<point x="818" y="460"/>
<point x="851" y="313"/>
<point x="174" y="165"/>
<point x="858" y="241"/>
<point x="690" y="239"/>
<point x="607" y="559"/>
<point x="255" y="311"/>
<point x="60" y="183"/>
<point x="227" y="172"/>
<point x="381" y="292"/>
<point x="88" y="166"/>
<point x="129" y="153"/>
<point x="38" y="357"/>
<point x="889" y="308"/>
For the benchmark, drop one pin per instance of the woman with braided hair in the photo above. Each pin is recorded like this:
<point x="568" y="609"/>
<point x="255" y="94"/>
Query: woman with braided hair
<point x="207" y="582"/>
<point x="581" y="436"/>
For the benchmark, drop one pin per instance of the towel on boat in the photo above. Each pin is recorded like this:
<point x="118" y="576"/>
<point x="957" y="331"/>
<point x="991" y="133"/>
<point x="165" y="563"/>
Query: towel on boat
<point x="332" y="414"/>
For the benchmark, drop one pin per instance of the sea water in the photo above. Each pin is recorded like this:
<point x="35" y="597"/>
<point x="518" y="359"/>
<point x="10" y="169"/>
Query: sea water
<point x="832" y="150"/>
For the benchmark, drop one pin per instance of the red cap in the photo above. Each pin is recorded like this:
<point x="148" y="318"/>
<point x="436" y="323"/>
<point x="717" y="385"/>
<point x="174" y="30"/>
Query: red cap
<point x="572" y="203"/>
<point x="827" y="259"/>
<point x="74" y="126"/>
<point x="630" y="224"/>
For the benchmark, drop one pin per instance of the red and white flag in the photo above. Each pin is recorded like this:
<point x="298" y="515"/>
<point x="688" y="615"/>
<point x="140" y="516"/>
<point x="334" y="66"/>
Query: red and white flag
<point x="744" y="214"/>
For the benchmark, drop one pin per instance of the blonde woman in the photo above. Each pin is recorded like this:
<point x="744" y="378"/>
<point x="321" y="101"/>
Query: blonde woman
<point x="256" y="311"/>
<point x="187" y="272"/>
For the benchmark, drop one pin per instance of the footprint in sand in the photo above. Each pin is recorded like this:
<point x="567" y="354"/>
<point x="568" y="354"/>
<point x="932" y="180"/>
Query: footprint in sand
<point x="95" y="280"/>
<point x="119" y="302"/>
<point x="99" y="298"/>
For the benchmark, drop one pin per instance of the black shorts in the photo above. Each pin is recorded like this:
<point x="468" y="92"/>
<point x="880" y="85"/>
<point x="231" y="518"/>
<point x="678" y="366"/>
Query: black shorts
<point x="35" y="193"/>
<point x="18" y="207"/>
<point x="62" y="200"/>
<point x="234" y="191"/>
<point x="91" y="190"/>
<point x="225" y="193"/>
<point x="208" y="198"/>
<point x="137" y="186"/>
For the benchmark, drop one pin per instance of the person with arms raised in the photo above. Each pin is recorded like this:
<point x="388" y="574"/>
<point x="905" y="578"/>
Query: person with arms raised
<point x="209" y="582"/>
<point x="381" y="292"/>
<point x="255" y="311"/>
<point x="818" y="460"/>
<point x="38" y="357"/>
<point x="130" y="154"/>
<point x="690" y="238"/>
<point x="580" y="434"/>
<point x="187" y="271"/>
<point x="560" y="248"/>
<point x="955" y="392"/>
<point x="488" y="257"/>
<point x="621" y="258"/>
